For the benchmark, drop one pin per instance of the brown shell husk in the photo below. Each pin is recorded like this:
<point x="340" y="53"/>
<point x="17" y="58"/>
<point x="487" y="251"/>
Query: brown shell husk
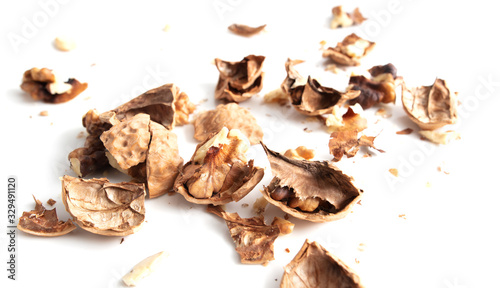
<point x="430" y="107"/>
<point x="231" y="116"/>
<point x="308" y="179"/>
<point x="254" y="239"/>
<point x="311" y="98"/>
<point x="379" y="89"/>
<point x="104" y="208"/>
<point x="239" y="81"/>
<point x="43" y="222"/>
<point x="163" y="162"/>
<point x="314" y="266"/>
<point x="338" y="54"/>
<point x="245" y="30"/>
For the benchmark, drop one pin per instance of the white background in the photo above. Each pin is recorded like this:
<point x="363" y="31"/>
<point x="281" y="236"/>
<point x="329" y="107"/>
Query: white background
<point x="450" y="235"/>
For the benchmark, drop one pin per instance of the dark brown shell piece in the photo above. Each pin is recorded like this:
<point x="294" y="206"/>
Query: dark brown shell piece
<point x="254" y="239"/>
<point x="379" y="89"/>
<point x="317" y="183"/>
<point x="245" y="30"/>
<point x="314" y="266"/>
<point x="239" y="81"/>
<point x="43" y="222"/>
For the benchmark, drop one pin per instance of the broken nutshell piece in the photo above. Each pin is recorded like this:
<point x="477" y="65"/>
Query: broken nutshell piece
<point x="309" y="97"/>
<point x="43" y="222"/>
<point x="245" y="30"/>
<point x="316" y="191"/>
<point x="379" y="89"/>
<point x="239" y="81"/>
<point x="43" y="84"/>
<point x="253" y="238"/>
<point x="344" y="19"/>
<point x="347" y="143"/>
<point x="430" y="107"/>
<point x="101" y="207"/>
<point x="231" y="116"/>
<point x="314" y="266"/>
<point x="349" y="121"/>
<point x="143" y="269"/>
<point x="350" y="51"/>
<point x="218" y="171"/>
<point x="300" y="153"/>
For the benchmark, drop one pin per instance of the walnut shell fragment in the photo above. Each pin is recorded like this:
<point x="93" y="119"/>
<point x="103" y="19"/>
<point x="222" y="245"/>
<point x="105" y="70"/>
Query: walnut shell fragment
<point x="349" y="121"/>
<point x="316" y="191"/>
<point x="143" y="269"/>
<point x="309" y="97"/>
<point x="239" y="81"/>
<point x="350" y="51"/>
<point x="245" y="30"/>
<point x="347" y="143"/>
<point x="43" y="84"/>
<point x="253" y="238"/>
<point x="344" y="19"/>
<point x="314" y="266"/>
<point x="430" y="107"/>
<point x="218" y="171"/>
<point x="231" y="116"/>
<point x="101" y="207"/>
<point x="379" y="89"/>
<point x="43" y="222"/>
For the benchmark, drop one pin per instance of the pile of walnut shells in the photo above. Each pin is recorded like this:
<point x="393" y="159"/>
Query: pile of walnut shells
<point x="138" y="139"/>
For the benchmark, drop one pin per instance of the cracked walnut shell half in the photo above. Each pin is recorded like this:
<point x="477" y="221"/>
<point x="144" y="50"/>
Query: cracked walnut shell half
<point x="101" y="207"/>
<point x="344" y="19"/>
<point x="43" y="84"/>
<point x="309" y="190"/>
<point x="239" y="81"/>
<point x="218" y="171"/>
<point x="430" y="107"/>
<point x="350" y="51"/>
<point x="314" y="266"/>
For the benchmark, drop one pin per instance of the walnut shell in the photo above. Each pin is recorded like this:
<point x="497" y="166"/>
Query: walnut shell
<point x="43" y="222"/>
<point x="100" y="207"/>
<point x="430" y="107"/>
<point x="318" y="191"/>
<point x="314" y="266"/>
<point x="350" y="51"/>
<point x="381" y="88"/>
<point x="231" y="116"/>
<point x="163" y="162"/>
<point x="218" y="171"/>
<point x="245" y="30"/>
<point x="239" y="81"/>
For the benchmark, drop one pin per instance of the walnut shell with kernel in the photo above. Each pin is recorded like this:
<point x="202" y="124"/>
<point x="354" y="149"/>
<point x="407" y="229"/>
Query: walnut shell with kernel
<point x="309" y="190"/>
<point x="101" y="207"/>
<point x="350" y="51"/>
<point x="218" y="171"/>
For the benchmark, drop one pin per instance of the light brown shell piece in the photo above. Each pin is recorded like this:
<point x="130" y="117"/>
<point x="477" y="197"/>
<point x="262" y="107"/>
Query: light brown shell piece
<point x="163" y="162"/>
<point x="347" y="143"/>
<point x="239" y="81"/>
<point x="128" y="141"/>
<point x="254" y="239"/>
<point x="43" y="222"/>
<point x="245" y="30"/>
<point x="318" y="180"/>
<point x="231" y="116"/>
<point x="341" y="53"/>
<point x="314" y="266"/>
<point x="101" y="207"/>
<point x="183" y="107"/>
<point x="430" y="107"/>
